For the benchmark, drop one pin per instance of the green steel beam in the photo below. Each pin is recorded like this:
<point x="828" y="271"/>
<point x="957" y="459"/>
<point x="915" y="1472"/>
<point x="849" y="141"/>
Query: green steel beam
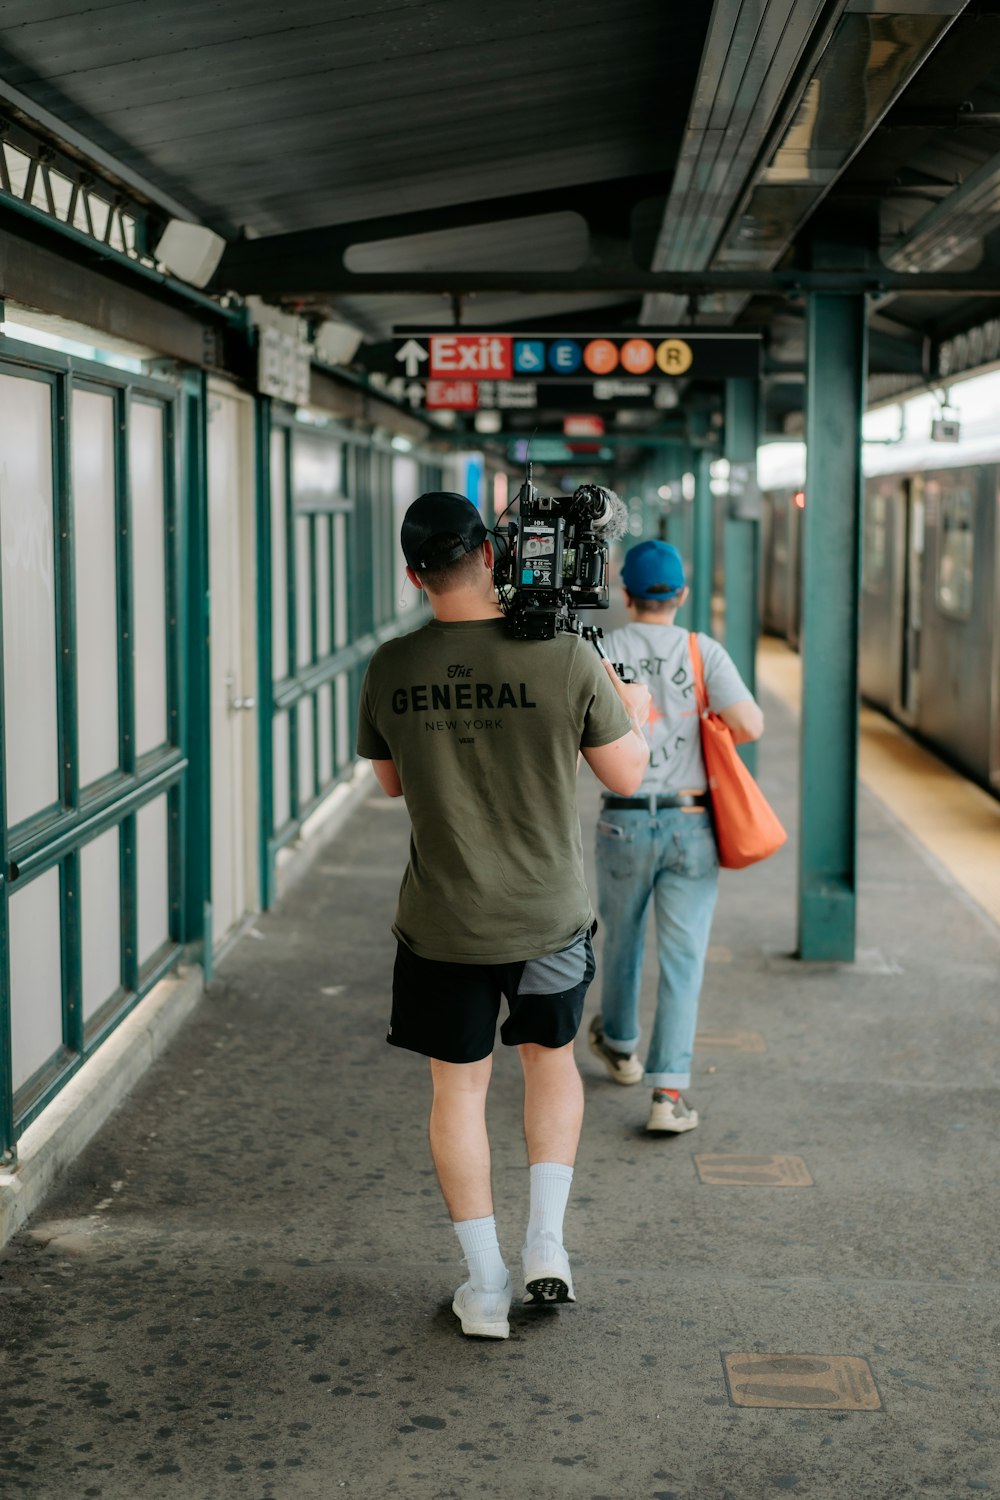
<point x="680" y="521"/>
<point x="197" y="701"/>
<point x="741" y="544"/>
<point x="64" y="520"/>
<point x="319" y="274"/>
<point x="265" y="641"/>
<point x="292" y="634"/>
<point x="38" y="848"/>
<point x="704" y="545"/>
<point x="831" y="554"/>
<point x="313" y="638"/>
<point x="127" y="850"/>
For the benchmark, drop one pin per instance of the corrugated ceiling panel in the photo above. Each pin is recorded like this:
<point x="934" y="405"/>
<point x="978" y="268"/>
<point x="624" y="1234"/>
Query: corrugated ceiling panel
<point x="323" y="120"/>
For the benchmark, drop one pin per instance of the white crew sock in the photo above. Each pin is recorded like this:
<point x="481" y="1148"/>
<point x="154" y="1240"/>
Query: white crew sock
<point x="478" y="1239"/>
<point x="550" y="1184"/>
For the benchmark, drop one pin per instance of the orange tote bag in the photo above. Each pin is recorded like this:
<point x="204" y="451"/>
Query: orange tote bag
<point x="746" y="828"/>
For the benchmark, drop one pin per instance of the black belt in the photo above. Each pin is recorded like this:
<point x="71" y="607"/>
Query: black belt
<point x="653" y="803"/>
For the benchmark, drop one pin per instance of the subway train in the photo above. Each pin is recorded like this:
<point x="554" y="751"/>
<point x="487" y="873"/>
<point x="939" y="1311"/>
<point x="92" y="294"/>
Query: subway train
<point x="929" y="638"/>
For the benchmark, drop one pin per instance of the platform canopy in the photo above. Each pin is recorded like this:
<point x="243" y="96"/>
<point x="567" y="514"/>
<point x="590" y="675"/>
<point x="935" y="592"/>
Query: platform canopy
<point x="517" y="166"/>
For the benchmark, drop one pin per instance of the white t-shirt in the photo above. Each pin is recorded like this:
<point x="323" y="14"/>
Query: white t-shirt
<point x="660" y="657"/>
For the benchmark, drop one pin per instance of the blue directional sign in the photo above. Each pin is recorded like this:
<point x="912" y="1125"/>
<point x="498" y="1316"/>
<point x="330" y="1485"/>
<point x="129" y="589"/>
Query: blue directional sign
<point x="529" y="356"/>
<point x="564" y="356"/>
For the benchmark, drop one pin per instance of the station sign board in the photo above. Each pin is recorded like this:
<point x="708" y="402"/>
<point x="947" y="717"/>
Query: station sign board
<point x="471" y="354"/>
<point x="473" y="395"/>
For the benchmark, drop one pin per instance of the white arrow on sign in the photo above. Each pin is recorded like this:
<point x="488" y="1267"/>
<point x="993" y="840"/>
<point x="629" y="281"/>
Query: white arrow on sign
<point x="411" y="355"/>
<point x="415" y="393"/>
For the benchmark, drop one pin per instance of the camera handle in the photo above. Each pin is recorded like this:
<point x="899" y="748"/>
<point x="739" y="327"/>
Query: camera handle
<point x="595" y="635"/>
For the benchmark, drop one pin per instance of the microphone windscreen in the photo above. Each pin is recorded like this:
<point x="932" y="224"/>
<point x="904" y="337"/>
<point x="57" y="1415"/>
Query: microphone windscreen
<point x="617" y="523"/>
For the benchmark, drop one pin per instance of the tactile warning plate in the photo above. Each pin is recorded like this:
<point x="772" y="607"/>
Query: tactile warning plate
<point x="727" y="1169"/>
<point x="729" y="1041"/>
<point x="832" y="1382"/>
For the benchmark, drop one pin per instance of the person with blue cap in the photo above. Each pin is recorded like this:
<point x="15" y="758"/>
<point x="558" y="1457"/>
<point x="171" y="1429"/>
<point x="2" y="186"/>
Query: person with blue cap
<point x="658" y="844"/>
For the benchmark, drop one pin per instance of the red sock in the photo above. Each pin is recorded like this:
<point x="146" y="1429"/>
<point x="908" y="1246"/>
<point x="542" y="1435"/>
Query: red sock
<point x="674" y="1094"/>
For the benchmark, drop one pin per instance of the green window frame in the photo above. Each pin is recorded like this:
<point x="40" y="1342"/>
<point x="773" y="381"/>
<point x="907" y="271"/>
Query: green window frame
<point x="345" y="528"/>
<point x="54" y="838"/>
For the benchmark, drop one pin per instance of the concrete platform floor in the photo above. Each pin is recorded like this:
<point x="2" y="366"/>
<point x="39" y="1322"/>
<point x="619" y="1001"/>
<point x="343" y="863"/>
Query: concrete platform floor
<point x="242" y="1289"/>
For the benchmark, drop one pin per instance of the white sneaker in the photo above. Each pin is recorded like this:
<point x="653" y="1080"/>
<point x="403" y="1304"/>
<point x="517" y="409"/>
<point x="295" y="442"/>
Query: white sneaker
<point x="483" y="1314"/>
<point x="672" y="1115"/>
<point x="623" y="1067"/>
<point x="547" y="1277"/>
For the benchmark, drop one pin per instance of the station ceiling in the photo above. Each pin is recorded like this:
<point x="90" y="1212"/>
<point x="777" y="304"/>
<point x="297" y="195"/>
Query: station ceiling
<point x="523" y="165"/>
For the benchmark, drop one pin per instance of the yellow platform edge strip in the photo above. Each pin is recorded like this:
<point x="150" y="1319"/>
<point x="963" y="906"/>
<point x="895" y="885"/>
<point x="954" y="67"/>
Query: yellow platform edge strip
<point x="957" y="822"/>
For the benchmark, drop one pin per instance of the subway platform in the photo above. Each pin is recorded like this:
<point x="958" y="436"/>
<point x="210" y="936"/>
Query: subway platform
<point x="243" y="1287"/>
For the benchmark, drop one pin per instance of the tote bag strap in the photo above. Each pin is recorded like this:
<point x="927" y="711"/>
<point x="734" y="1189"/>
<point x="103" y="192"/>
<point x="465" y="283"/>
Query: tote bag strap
<point x="699" y="673"/>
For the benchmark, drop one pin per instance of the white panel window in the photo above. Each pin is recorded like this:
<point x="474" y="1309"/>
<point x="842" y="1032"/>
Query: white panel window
<point x="100" y="919"/>
<point x="324" y="732"/>
<point x="322" y="586"/>
<point x="27" y="558"/>
<point x="303" y="593"/>
<point x="317" y="471"/>
<point x="154" y="878"/>
<point x="405" y="488"/>
<point x="282" y="771"/>
<point x="94" y="539"/>
<point x="956" y="551"/>
<point x="339" y="581"/>
<point x="35" y="975"/>
<point x="149" y="586"/>
<point x="279" y="559"/>
<point x="345" y="750"/>
<point x="307" y="785"/>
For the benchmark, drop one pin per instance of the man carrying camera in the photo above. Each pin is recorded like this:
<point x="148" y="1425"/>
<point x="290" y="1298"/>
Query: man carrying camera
<point x="659" y="845"/>
<point x="481" y="732"/>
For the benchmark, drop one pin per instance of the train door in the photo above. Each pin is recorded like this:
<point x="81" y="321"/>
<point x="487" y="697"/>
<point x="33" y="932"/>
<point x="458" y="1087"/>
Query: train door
<point x="913" y="585"/>
<point x="232" y="579"/>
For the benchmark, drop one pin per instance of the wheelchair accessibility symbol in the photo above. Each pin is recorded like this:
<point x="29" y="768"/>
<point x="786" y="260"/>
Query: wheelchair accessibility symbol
<point x="529" y="356"/>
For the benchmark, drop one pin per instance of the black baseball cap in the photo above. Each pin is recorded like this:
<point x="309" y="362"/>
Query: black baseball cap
<point x="440" y="513"/>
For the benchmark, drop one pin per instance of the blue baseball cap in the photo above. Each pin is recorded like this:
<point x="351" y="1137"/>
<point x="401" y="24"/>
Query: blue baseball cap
<point x="653" y="570"/>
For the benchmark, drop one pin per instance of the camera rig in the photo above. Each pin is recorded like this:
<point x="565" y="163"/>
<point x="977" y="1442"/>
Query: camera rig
<point x="553" y="560"/>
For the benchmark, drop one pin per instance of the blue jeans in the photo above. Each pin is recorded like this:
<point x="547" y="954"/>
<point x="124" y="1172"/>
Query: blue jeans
<point x="671" y="856"/>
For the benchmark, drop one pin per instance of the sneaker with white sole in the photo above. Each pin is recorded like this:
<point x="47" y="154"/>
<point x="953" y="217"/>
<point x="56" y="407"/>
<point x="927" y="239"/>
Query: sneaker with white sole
<point x="483" y="1314"/>
<point x="547" y="1277"/>
<point x="670" y="1113"/>
<point x="624" y="1067"/>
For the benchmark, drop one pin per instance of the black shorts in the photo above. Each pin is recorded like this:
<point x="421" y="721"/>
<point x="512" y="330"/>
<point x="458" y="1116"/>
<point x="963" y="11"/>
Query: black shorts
<point x="449" y="1011"/>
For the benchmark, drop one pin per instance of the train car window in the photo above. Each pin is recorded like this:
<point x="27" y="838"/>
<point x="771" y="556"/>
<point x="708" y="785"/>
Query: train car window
<point x="955" y="553"/>
<point x="874" y="548"/>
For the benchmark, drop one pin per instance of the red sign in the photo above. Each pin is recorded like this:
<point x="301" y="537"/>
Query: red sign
<point x="484" y="356"/>
<point x="584" y="425"/>
<point x="452" y="395"/>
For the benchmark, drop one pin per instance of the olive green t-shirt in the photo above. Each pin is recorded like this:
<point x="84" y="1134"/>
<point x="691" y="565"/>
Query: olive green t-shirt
<point x="484" y="731"/>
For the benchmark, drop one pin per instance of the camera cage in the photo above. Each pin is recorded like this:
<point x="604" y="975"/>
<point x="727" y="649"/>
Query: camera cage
<point x="553" y="560"/>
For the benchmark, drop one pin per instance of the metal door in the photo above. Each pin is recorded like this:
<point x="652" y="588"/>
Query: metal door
<point x="232" y="659"/>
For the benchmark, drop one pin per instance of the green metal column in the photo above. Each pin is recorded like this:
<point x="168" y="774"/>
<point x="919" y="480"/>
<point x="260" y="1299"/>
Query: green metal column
<point x="680" y="523"/>
<point x="196" y="701"/>
<point x="265" y="658"/>
<point x="831" y="553"/>
<point x="704" y="545"/>
<point x="741" y="539"/>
